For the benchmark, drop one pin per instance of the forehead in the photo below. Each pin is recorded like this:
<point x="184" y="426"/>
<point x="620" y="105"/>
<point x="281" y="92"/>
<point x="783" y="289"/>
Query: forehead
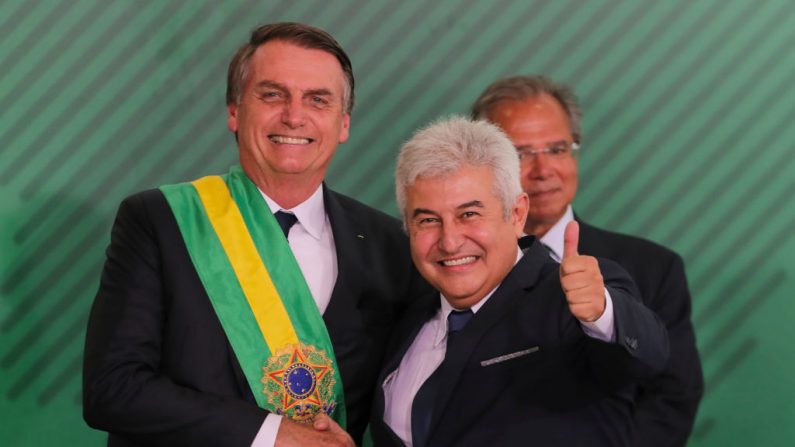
<point x="448" y="191"/>
<point x="539" y="117"/>
<point x="293" y="66"/>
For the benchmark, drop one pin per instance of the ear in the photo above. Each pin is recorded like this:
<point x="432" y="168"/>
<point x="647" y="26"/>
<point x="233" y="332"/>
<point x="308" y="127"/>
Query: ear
<point x="519" y="213"/>
<point x="231" y="117"/>
<point x="346" y="125"/>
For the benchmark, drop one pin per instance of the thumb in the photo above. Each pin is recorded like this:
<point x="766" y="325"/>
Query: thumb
<point x="321" y="422"/>
<point x="571" y="238"/>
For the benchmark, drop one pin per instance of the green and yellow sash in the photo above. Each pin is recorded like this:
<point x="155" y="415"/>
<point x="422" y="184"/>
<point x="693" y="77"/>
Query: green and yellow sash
<point x="259" y="295"/>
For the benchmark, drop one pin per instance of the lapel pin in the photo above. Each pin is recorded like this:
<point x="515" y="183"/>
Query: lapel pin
<point x="360" y="236"/>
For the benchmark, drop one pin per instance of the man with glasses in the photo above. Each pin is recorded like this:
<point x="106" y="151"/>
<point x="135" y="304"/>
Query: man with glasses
<point x="542" y="118"/>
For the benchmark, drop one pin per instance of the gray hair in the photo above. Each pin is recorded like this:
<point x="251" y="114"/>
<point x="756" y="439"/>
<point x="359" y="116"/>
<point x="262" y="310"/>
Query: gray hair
<point x="523" y="87"/>
<point x="445" y="145"/>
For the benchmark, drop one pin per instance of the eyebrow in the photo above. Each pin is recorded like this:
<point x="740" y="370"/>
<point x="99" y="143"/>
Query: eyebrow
<point x="418" y="211"/>
<point x="270" y="84"/>
<point x="470" y="204"/>
<point x="278" y="86"/>
<point x="551" y="143"/>
<point x="318" y="92"/>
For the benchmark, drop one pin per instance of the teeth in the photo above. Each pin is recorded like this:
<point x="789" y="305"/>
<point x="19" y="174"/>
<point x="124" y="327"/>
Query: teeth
<point x="288" y="140"/>
<point x="459" y="261"/>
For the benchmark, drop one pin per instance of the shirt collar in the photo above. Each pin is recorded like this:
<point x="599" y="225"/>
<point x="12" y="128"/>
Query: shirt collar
<point x="441" y="316"/>
<point x="311" y="213"/>
<point x="554" y="237"/>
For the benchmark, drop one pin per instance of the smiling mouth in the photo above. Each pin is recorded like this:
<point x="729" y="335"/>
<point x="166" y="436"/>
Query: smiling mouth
<point x="281" y="139"/>
<point x="543" y="193"/>
<point x="460" y="261"/>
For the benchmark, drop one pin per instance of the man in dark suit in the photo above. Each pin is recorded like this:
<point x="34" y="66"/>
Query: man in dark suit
<point x="217" y="323"/>
<point x="542" y="118"/>
<point x="514" y="348"/>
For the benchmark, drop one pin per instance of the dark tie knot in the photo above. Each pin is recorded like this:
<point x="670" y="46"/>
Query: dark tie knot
<point x="286" y="221"/>
<point x="457" y="319"/>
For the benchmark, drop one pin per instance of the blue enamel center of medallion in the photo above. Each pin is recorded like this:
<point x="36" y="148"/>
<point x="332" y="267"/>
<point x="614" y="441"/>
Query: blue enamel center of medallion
<point x="299" y="381"/>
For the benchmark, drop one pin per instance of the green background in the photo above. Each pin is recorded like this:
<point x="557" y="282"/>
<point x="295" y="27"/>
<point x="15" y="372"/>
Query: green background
<point x="689" y="111"/>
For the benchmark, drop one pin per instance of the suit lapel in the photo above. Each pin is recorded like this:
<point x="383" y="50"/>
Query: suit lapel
<point x="406" y="331"/>
<point x="523" y="276"/>
<point x="403" y="336"/>
<point x="348" y="243"/>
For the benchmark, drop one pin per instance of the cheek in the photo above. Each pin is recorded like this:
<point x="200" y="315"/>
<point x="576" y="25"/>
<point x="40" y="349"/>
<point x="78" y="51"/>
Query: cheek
<point x="569" y="171"/>
<point x="569" y="177"/>
<point x="421" y="245"/>
<point x="482" y="234"/>
<point x="485" y="235"/>
<point x="524" y="173"/>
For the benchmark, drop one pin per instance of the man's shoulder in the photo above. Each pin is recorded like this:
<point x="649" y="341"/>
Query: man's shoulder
<point x="604" y="243"/>
<point x="153" y="195"/>
<point x="150" y="202"/>
<point x="363" y="214"/>
<point x="146" y="213"/>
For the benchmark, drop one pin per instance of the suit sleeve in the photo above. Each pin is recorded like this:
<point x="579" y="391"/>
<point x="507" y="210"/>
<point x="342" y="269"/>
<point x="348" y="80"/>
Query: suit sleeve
<point x="125" y="391"/>
<point x="666" y="405"/>
<point x="639" y="331"/>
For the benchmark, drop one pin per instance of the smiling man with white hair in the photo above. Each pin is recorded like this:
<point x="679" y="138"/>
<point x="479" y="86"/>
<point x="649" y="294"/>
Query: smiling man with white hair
<point x="513" y="348"/>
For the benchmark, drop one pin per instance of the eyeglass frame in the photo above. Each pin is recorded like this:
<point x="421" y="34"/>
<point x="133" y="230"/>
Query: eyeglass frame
<point x="528" y="153"/>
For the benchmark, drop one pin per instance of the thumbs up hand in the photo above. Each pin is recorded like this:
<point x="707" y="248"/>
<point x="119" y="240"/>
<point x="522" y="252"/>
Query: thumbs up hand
<point x="581" y="278"/>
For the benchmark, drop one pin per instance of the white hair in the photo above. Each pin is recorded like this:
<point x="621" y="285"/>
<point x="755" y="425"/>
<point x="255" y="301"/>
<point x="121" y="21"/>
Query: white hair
<point x="445" y="145"/>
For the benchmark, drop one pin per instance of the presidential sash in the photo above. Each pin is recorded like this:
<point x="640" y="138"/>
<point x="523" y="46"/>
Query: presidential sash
<point x="259" y="295"/>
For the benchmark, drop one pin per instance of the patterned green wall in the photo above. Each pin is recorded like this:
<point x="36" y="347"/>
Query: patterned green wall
<point x="688" y="141"/>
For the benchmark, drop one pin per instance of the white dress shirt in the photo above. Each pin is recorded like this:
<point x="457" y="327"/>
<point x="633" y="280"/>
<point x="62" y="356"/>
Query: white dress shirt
<point x="312" y="243"/>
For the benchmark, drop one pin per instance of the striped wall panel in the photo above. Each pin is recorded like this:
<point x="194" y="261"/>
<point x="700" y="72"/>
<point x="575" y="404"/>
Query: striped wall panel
<point x="688" y="141"/>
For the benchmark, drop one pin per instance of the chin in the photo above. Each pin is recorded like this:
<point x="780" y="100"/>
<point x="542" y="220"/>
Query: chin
<point x="547" y="214"/>
<point x="460" y="298"/>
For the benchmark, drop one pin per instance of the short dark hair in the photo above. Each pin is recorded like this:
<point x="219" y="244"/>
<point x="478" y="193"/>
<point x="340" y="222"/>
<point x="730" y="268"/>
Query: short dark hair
<point x="523" y="87"/>
<point x="304" y="36"/>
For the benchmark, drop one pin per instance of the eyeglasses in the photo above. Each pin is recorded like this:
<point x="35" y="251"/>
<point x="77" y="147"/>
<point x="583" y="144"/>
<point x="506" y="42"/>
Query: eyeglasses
<point x="558" y="151"/>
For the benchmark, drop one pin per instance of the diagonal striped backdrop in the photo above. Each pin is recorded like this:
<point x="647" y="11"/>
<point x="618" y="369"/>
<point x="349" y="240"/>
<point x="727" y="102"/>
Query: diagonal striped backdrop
<point x="688" y="141"/>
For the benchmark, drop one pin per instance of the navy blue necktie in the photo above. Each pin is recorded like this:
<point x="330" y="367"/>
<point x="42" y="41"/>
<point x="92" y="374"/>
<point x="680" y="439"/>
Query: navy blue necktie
<point x="422" y="407"/>
<point x="286" y="221"/>
<point x="456" y="320"/>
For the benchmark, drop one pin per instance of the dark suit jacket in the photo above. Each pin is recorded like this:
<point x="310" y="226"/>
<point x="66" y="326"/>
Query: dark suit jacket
<point x="556" y="395"/>
<point x="665" y="405"/>
<point x="158" y="368"/>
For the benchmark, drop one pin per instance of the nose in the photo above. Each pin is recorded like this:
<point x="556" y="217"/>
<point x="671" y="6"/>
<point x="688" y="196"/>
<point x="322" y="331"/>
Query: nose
<point x="451" y="238"/>
<point x="539" y="166"/>
<point x="293" y="115"/>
